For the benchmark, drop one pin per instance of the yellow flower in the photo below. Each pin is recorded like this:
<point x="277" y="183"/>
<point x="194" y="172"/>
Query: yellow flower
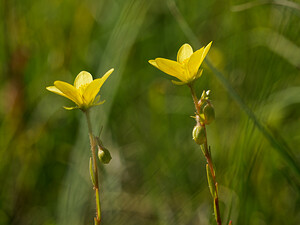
<point x="84" y="91"/>
<point x="186" y="68"/>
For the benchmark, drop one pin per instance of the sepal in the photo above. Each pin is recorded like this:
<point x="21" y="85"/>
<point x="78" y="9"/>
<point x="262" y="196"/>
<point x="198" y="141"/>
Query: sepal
<point x="70" y="108"/>
<point x="178" y="82"/>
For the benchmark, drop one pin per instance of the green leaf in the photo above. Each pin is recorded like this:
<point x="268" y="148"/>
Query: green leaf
<point x="210" y="182"/>
<point x="92" y="172"/>
<point x="215" y="209"/>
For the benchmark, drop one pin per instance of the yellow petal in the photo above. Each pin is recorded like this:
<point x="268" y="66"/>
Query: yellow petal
<point x="195" y="61"/>
<point x="153" y="63"/>
<point x="69" y="91"/>
<point x="82" y="79"/>
<point x="170" y="67"/>
<point x="106" y="75"/>
<point x="184" y="53"/>
<point x="94" y="87"/>
<point x="206" y="49"/>
<point x="56" y="91"/>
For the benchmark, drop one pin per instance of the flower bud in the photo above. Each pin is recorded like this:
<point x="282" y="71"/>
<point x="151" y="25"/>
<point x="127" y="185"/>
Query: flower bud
<point x="104" y="155"/>
<point x="209" y="113"/>
<point x="199" y="134"/>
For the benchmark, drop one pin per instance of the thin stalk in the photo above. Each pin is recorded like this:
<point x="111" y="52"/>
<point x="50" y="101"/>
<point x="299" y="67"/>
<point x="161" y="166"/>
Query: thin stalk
<point x="208" y="159"/>
<point x="194" y="98"/>
<point x="96" y="184"/>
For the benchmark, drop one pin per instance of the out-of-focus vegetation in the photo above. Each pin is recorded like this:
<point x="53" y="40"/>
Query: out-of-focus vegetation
<point x="157" y="174"/>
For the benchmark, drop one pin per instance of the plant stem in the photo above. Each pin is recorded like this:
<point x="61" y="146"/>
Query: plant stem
<point x="194" y="98"/>
<point x="208" y="158"/>
<point x="96" y="185"/>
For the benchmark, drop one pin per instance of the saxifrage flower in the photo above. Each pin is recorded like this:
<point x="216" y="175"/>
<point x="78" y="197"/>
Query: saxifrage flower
<point x="186" y="68"/>
<point x="84" y="91"/>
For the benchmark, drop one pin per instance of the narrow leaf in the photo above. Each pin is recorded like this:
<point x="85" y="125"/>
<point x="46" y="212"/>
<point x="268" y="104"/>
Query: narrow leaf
<point x="210" y="182"/>
<point x="92" y="172"/>
<point x="215" y="209"/>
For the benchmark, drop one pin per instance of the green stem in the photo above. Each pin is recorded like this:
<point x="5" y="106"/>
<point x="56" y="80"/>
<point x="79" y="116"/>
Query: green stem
<point x="208" y="158"/>
<point x="96" y="185"/>
<point x="194" y="98"/>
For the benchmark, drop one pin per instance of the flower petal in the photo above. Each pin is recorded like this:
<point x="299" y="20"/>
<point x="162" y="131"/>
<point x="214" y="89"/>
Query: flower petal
<point x="184" y="53"/>
<point x="195" y="61"/>
<point x="153" y="63"/>
<point x="94" y="87"/>
<point x="56" y="91"/>
<point x="206" y="49"/>
<point x="106" y="75"/>
<point x="82" y="79"/>
<point x="69" y="91"/>
<point x="170" y="67"/>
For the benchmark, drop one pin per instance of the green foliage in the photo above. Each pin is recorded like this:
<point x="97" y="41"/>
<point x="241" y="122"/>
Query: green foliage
<point x="210" y="182"/>
<point x="156" y="175"/>
<point x="92" y="171"/>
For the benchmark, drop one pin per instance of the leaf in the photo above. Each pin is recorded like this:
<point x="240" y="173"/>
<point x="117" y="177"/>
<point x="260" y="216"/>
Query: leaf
<point x="215" y="209"/>
<point x="210" y="182"/>
<point x="92" y="172"/>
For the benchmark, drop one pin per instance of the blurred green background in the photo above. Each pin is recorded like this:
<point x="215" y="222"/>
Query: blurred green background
<point x="157" y="175"/>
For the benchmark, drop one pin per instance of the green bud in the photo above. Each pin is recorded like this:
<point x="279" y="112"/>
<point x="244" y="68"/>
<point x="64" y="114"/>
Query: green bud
<point x="199" y="134"/>
<point x="209" y="113"/>
<point x="104" y="155"/>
